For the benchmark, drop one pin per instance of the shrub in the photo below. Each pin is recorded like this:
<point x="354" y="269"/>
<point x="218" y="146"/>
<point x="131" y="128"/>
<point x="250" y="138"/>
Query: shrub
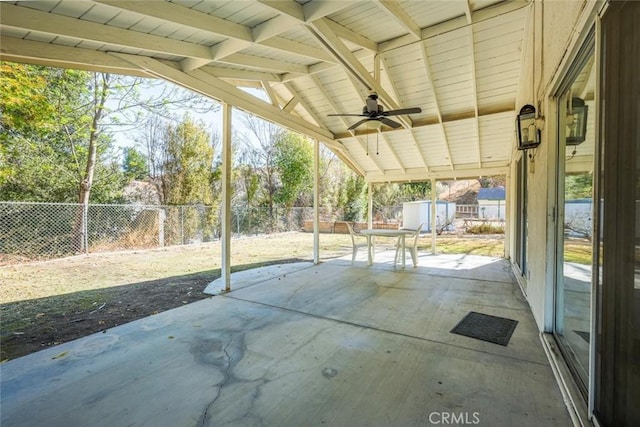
<point x="485" y="229"/>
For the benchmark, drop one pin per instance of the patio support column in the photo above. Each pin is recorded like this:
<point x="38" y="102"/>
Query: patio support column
<point x="433" y="216"/>
<point x="507" y="217"/>
<point x="226" y="197"/>
<point x="316" y="201"/>
<point x="370" y="206"/>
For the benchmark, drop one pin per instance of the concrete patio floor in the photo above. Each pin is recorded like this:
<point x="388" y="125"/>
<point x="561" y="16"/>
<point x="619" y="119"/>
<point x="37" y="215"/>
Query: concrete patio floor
<point x="303" y="344"/>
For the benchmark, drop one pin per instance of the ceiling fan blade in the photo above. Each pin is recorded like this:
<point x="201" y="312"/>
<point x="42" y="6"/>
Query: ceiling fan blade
<point x="348" y="115"/>
<point x="389" y="122"/>
<point x="402" y="111"/>
<point x="355" y="125"/>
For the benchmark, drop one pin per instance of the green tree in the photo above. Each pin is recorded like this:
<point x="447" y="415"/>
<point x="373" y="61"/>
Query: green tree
<point x="47" y="120"/>
<point x="260" y="152"/>
<point x="412" y="191"/>
<point x="579" y="186"/>
<point x="294" y="163"/>
<point x="134" y="163"/>
<point x="353" y="200"/>
<point x="188" y="169"/>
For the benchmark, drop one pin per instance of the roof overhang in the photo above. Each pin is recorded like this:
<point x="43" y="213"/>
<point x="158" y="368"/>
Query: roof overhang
<point x="459" y="61"/>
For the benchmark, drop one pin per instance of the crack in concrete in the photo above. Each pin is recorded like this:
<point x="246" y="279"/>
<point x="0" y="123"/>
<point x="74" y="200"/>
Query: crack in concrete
<point x="202" y="352"/>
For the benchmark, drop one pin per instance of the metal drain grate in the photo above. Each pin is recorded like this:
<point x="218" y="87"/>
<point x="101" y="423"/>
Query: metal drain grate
<point x="497" y="330"/>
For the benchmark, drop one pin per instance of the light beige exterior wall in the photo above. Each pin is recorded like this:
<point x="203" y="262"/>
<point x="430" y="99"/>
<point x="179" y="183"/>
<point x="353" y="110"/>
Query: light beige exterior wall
<point x="555" y="31"/>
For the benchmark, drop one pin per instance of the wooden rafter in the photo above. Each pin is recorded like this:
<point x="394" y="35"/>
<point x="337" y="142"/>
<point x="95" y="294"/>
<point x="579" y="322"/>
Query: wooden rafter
<point x="354" y="68"/>
<point x="427" y="67"/>
<point x="291" y="88"/>
<point x="399" y="15"/>
<point x="469" y="16"/>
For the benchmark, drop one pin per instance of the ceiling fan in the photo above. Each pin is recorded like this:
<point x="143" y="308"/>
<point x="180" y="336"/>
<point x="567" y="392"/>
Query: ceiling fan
<point x="373" y="111"/>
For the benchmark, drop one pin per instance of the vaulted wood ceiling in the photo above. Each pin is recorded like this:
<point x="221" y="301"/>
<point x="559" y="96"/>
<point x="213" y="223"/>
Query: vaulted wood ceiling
<point x="458" y="60"/>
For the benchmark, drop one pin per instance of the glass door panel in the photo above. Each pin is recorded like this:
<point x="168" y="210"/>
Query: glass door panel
<point x="574" y="254"/>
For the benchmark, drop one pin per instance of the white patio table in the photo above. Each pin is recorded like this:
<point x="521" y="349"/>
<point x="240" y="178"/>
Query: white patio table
<point x="370" y="233"/>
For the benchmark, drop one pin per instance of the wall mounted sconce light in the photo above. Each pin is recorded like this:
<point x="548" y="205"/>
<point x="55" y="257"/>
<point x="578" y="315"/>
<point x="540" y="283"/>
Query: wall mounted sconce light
<point x="576" y="122"/>
<point x="528" y="133"/>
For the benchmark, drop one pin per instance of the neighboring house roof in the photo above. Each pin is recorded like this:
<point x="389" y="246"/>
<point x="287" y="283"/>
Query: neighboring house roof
<point x="491" y="193"/>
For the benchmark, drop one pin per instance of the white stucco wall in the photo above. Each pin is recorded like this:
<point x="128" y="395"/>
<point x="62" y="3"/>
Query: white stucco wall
<point x="555" y="31"/>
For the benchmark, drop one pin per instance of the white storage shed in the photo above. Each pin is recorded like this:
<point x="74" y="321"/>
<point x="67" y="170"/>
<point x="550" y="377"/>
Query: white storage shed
<point x="419" y="212"/>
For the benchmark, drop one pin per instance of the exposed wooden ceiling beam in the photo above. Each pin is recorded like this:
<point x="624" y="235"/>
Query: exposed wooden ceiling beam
<point x="172" y="12"/>
<point x="319" y="9"/>
<point x="291" y="88"/>
<point x="312" y="11"/>
<point x="378" y="134"/>
<point x="350" y="63"/>
<point x="351" y="36"/>
<point x="271" y="93"/>
<point x="335" y="109"/>
<point x="287" y="7"/>
<point x="427" y="67"/>
<point x="474" y="82"/>
<point x="232" y="73"/>
<point x="418" y="175"/>
<point x="264" y="64"/>
<point x="308" y="12"/>
<point x="273" y="27"/>
<point x="480" y="15"/>
<point x="431" y="121"/>
<point x="400" y="16"/>
<point x="33" y="52"/>
<point x="417" y="147"/>
<point x="395" y="93"/>
<point x="389" y="146"/>
<point x="238" y="36"/>
<point x="290" y="105"/>
<point x="38" y="21"/>
<point x="213" y="87"/>
<point x="289" y="46"/>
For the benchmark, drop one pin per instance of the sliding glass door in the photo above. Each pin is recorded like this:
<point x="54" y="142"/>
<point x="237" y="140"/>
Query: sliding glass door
<point x="575" y="213"/>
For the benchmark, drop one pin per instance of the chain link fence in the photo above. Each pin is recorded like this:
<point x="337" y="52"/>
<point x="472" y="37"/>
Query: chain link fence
<point x="39" y="231"/>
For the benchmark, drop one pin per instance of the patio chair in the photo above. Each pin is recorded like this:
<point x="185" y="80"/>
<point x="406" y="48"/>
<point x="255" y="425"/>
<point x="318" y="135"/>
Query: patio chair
<point x="410" y="244"/>
<point x="354" y="236"/>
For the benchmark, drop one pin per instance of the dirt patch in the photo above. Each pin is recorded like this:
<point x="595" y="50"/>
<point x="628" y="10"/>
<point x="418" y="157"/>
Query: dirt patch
<point x="52" y="302"/>
<point x="35" y="324"/>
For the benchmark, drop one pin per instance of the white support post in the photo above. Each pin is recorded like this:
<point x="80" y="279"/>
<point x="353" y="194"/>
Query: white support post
<point x="226" y="196"/>
<point x="507" y="217"/>
<point x="370" y="206"/>
<point x="433" y="216"/>
<point x="316" y="202"/>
